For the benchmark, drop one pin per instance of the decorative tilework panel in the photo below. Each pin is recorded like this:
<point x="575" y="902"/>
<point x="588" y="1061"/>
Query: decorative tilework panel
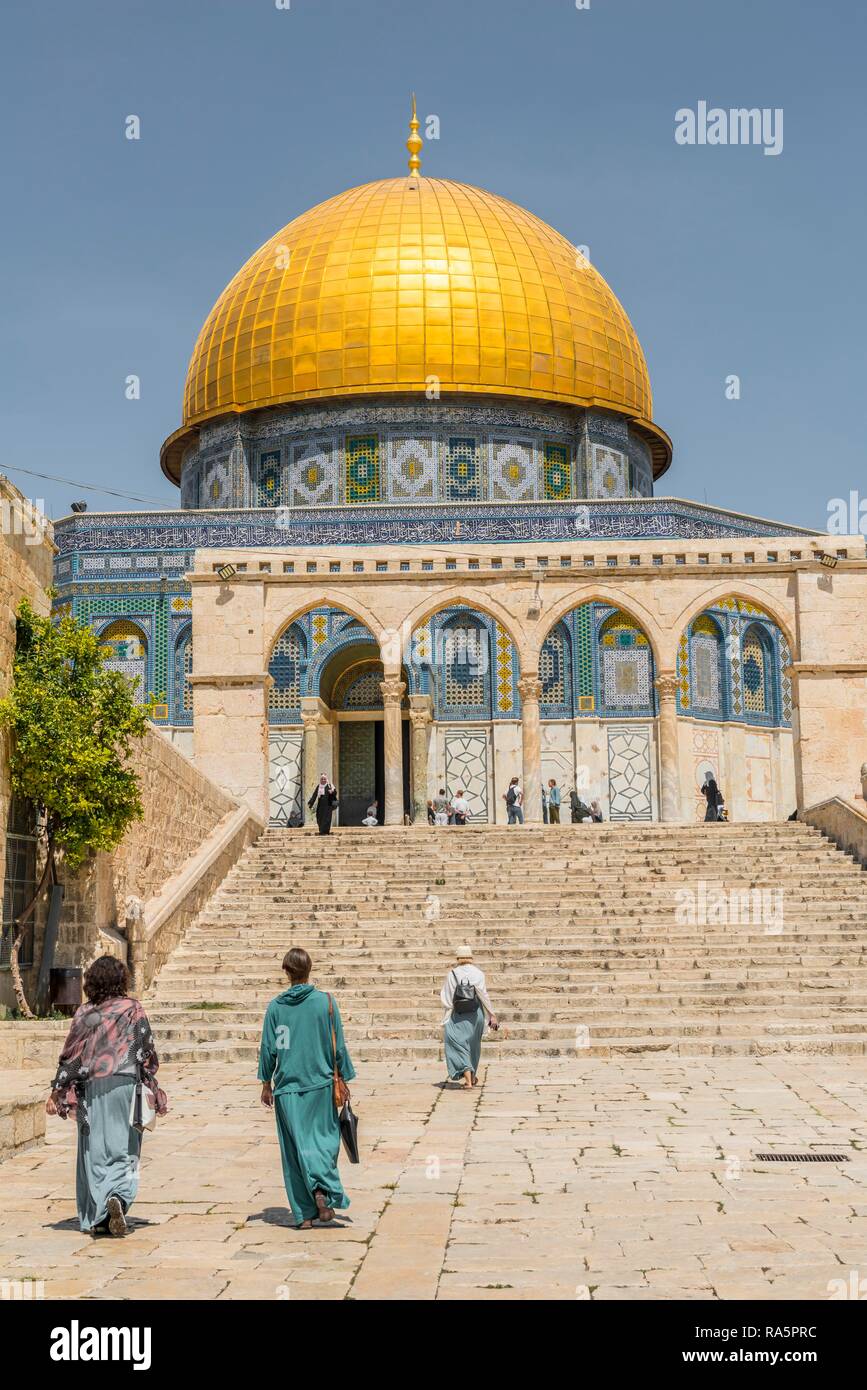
<point x="360" y="690"/>
<point x="285" y="776"/>
<point x="609" y="472"/>
<point x="584" y="657"/>
<point x="554" y="668"/>
<point x="467" y="664"/>
<point x="557" y="482"/>
<point x="182" y="710"/>
<point x="626" y="664"/>
<point x="754" y="672"/>
<point x="506" y="696"/>
<point x="124" y="647"/>
<point x="785" y="682"/>
<point x="362" y="469"/>
<point x="466" y="757"/>
<point x="313" y="474"/>
<point x="412" y="469"/>
<point x="463" y="480"/>
<point x="512" y="473"/>
<point x="707" y="657"/>
<point x="285" y="668"/>
<point x="269" y="481"/>
<point x="629" y="779"/>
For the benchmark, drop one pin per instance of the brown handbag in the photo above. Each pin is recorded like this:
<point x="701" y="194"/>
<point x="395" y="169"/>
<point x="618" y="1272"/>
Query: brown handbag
<point x="339" y="1087"/>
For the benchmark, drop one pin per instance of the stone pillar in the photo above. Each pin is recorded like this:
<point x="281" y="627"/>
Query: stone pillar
<point x="420" y="714"/>
<point x="530" y="688"/>
<point x="393" y="690"/>
<point x="669" y="760"/>
<point x="310" y="770"/>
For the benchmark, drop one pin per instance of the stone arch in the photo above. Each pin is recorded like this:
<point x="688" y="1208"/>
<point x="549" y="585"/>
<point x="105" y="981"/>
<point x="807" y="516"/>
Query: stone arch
<point x="129" y="652"/>
<point x="714" y="596"/>
<point x="326" y="598"/>
<point x="182" y="691"/>
<point x="472" y="600"/>
<point x="641" y="615"/>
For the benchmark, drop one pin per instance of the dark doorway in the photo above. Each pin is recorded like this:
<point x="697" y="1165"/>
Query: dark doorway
<point x="361" y="769"/>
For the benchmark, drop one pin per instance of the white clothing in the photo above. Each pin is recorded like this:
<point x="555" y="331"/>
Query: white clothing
<point x="370" y="820"/>
<point x="461" y="805"/>
<point x="441" y="818"/>
<point x="467" y="975"/>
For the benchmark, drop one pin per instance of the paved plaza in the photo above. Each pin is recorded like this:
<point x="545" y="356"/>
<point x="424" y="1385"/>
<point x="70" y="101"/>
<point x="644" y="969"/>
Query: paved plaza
<point x="555" y="1179"/>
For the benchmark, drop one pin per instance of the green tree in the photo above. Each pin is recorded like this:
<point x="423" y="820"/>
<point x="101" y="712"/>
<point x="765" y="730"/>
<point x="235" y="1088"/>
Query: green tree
<point x="72" y="724"/>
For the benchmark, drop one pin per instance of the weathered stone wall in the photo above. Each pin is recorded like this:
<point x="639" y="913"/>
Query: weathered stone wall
<point x="844" y="823"/>
<point x="181" y="809"/>
<point x="26" y="554"/>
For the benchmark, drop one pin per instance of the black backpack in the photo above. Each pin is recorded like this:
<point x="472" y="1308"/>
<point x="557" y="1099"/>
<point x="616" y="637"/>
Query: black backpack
<point x="464" y="1000"/>
<point x="511" y="796"/>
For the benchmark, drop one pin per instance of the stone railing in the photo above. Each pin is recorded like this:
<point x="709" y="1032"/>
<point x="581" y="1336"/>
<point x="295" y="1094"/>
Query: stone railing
<point x="844" y="822"/>
<point x="155" y="928"/>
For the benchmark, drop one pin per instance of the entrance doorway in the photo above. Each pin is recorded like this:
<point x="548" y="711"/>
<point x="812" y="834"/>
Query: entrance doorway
<point x="361" y="769"/>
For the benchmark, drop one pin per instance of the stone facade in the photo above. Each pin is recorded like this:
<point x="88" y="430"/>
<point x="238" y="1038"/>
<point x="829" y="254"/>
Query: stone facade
<point x="26" y="557"/>
<point x="526" y="590"/>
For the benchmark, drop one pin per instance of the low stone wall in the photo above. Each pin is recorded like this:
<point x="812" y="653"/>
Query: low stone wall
<point x="22" y="1114"/>
<point x="179" y="851"/>
<point x="154" y="933"/>
<point x="844" y="822"/>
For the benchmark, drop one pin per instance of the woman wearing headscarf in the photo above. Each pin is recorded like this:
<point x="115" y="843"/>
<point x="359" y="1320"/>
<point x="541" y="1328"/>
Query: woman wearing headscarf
<point x="713" y="796"/>
<point x="596" y="812"/>
<point x="323" y="800"/>
<point x="108" y="1050"/>
<point x="302" y="1044"/>
<point x="467" y="1006"/>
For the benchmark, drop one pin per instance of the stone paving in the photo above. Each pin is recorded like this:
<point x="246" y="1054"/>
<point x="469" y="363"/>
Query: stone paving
<point x="558" y="1178"/>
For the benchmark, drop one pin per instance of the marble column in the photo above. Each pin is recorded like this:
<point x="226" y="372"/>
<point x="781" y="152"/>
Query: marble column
<point x="393" y="690"/>
<point x="311" y="718"/>
<point x="530" y="688"/>
<point x="669" y="772"/>
<point x="420" y="715"/>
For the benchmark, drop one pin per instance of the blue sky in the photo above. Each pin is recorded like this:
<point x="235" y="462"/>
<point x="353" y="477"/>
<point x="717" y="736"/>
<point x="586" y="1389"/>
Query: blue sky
<point x="727" y="260"/>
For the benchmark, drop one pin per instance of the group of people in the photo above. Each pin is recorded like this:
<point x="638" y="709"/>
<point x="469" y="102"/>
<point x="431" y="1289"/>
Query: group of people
<point x="443" y="810"/>
<point x="552" y="800"/>
<point x="107" y="1079"/>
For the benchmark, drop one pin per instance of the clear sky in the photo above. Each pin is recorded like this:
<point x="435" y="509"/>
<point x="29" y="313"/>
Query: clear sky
<point x="728" y="261"/>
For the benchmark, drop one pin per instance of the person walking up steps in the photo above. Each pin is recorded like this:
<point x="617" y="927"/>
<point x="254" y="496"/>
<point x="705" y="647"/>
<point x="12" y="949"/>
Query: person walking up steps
<point x="467" y="1005"/>
<point x="553" y="802"/>
<point x="296" y="1069"/>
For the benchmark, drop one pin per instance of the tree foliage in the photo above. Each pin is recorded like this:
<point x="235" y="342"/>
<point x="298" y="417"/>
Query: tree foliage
<point x="73" y="724"/>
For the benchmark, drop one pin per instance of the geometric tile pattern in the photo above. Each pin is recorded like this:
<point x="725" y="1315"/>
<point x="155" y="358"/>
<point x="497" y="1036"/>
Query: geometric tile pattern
<point x="285" y="779"/>
<point x="412" y="469"/>
<point x="629" y="780"/>
<point x="512" y="471"/>
<point x="466" y="758"/>
<point x="362" y="469"/>
<point x="557" y="479"/>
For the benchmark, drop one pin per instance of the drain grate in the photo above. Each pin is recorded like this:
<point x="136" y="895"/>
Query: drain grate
<point x="802" y="1158"/>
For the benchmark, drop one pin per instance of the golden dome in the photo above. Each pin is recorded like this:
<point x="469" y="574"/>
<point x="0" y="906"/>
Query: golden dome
<point x="393" y="283"/>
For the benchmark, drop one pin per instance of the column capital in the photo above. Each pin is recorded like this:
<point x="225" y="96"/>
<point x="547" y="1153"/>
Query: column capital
<point x="311" y="718"/>
<point x="420" y="718"/>
<point x="393" y="690"/>
<point x="529" y="688"/>
<point x="667" y="684"/>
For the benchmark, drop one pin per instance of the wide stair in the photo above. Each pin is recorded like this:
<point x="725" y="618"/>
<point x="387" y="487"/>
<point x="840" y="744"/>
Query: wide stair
<point x="596" y="940"/>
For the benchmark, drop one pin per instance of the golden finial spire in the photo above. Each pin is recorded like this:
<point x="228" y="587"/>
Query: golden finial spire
<point x="414" y="143"/>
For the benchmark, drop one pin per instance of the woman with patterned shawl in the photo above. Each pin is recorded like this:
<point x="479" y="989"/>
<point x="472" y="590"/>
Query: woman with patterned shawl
<point x="108" y="1049"/>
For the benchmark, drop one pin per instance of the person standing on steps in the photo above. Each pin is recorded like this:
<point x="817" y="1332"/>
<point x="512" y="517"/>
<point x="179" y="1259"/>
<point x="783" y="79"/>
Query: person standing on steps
<point x="553" y="802"/>
<point x="713" y="796"/>
<point x="324" y="800"/>
<point x="109" y="1048"/>
<point x="514" y="799"/>
<point x="302" y="1041"/>
<point x="461" y="807"/>
<point x="440" y="805"/>
<point x="596" y="812"/>
<point x="467" y="1005"/>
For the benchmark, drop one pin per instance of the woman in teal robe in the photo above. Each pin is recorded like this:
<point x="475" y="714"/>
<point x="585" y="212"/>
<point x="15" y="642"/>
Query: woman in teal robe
<point x="296" y="1068"/>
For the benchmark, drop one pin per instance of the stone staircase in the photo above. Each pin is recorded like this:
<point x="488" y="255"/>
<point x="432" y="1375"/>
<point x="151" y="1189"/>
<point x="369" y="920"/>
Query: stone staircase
<point x="584" y="932"/>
